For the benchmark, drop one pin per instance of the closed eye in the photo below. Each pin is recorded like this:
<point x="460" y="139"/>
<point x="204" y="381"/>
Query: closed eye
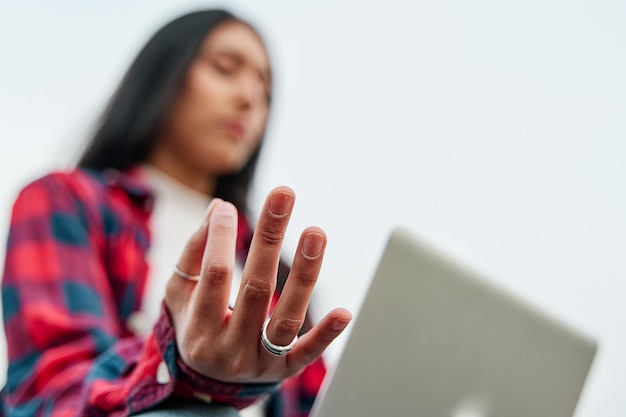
<point x="225" y="64"/>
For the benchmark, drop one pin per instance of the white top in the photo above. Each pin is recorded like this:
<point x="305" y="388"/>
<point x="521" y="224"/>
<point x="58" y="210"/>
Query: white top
<point x="178" y="212"/>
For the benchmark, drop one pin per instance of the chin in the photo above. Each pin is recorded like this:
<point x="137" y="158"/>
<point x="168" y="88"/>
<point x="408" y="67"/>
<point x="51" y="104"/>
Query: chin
<point x="229" y="167"/>
<point x="224" y="159"/>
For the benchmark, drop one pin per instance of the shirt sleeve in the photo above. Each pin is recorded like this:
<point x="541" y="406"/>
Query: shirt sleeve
<point x="67" y="353"/>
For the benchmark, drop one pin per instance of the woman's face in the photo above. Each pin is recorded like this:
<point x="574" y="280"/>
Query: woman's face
<point x="218" y="120"/>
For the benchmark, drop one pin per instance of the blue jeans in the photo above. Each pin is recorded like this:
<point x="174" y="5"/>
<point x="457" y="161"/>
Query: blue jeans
<point x="189" y="408"/>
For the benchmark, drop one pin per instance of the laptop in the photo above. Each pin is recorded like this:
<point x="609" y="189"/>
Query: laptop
<point x="435" y="339"/>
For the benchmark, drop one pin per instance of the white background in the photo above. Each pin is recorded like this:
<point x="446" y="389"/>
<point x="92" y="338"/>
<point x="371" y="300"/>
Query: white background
<point x="493" y="129"/>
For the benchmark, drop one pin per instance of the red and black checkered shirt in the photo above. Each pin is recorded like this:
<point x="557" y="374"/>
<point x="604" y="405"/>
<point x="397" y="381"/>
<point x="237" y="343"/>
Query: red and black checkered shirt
<point x="75" y="271"/>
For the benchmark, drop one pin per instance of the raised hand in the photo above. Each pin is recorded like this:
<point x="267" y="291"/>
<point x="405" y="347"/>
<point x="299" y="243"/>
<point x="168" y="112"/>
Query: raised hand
<point x="225" y="344"/>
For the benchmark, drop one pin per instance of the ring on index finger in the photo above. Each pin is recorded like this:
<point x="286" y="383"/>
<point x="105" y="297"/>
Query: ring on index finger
<point x="272" y="348"/>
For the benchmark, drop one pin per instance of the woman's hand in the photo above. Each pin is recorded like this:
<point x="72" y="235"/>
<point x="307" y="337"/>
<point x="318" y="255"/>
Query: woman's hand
<point x="224" y="344"/>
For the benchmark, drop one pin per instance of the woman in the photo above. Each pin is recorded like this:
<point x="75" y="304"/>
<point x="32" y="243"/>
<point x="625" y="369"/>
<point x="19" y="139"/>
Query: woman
<point x="88" y="255"/>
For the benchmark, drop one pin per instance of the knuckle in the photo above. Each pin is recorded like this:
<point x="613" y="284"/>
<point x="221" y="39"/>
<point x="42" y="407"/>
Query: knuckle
<point x="327" y="337"/>
<point x="195" y="353"/>
<point x="218" y="270"/>
<point x="271" y="235"/>
<point x="257" y="292"/>
<point x="285" y="328"/>
<point x="305" y="278"/>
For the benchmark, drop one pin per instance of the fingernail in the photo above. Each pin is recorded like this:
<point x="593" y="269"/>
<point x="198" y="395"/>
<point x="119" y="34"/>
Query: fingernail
<point x="338" y="325"/>
<point x="312" y="245"/>
<point x="280" y="204"/>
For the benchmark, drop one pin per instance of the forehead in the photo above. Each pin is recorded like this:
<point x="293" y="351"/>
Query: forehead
<point x="238" y="38"/>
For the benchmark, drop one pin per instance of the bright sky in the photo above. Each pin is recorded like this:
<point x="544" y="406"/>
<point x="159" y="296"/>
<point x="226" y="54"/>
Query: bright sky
<point x="494" y="129"/>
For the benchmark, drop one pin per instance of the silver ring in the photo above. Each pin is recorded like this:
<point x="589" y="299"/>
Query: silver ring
<point x="194" y="278"/>
<point x="275" y="349"/>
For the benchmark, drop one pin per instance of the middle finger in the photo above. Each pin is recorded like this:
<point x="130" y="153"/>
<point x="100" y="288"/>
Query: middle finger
<point x="259" y="273"/>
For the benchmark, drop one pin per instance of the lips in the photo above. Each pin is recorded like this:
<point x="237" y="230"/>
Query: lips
<point x="234" y="128"/>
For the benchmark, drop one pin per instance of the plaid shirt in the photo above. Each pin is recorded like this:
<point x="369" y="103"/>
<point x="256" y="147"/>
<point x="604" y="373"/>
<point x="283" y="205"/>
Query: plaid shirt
<point x="75" y="271"/>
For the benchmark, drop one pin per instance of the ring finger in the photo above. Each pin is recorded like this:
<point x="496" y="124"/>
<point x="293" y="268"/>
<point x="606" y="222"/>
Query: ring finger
<point x="290" y="311"/>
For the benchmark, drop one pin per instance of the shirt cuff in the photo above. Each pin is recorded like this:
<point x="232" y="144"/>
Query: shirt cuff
<point x="190" y="384"/>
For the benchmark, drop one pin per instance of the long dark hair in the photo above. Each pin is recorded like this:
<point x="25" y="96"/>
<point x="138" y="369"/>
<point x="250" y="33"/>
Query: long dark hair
<point x="128" y="129"/>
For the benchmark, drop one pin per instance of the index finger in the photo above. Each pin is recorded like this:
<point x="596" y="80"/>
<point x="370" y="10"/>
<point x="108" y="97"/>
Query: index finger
<point x="259" y="273"/>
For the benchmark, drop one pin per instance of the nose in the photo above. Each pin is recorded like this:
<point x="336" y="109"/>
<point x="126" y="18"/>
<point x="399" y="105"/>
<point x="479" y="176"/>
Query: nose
<point x="245" y="93"/>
